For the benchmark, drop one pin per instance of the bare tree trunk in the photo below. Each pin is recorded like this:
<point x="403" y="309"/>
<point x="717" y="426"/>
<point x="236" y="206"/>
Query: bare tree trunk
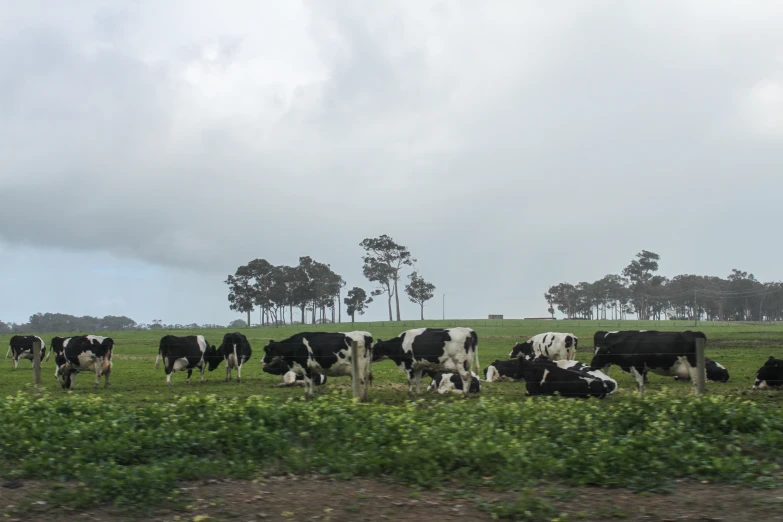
<point x="397" y="295"/>
<point x="248" y="318"/>
<point x="422" y="311"/>
<point x="391" y="318"/>
<point x="339" y="306"/>
<point x="351" y="320"/>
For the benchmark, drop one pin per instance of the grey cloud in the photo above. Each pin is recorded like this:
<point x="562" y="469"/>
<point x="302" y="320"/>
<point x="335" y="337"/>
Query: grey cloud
<point x="497" y="132"/>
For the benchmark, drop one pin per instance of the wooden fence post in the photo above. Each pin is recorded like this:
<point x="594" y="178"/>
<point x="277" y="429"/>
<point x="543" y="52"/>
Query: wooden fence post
<point x="701" y="368"/>
<point x="37" y="365"/>
<point x="355" y="370"/>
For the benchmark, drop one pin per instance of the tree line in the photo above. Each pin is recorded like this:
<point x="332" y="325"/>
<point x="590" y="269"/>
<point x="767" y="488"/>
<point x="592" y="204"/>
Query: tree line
<point x="56" y="323"/>
<point x="314" y="290"/>
<point x="639" y="290"/>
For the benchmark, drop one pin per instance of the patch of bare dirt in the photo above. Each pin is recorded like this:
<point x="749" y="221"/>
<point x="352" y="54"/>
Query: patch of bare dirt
<point x="324" y="499"/>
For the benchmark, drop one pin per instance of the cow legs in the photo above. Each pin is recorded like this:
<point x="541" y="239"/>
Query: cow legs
<point x="466" y="382"/>
<point x="308" y="383"/>
<point x="168" y="377"/>
<point x="239" y="373"/>
<point x="228" y="371"/>
<point x="202" y="373"/>
<point x="639" y="376"/>
<point x="106" y="379"/>
<point x="190" y="372"/>
<point x="16" y="362"/>
<point x="8" y="352"/>
<point x="417" y="378"/>
<point x="98" y="367"/>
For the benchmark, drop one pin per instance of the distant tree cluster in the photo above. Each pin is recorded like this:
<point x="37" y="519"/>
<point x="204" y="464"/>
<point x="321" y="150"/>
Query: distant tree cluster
<point x="51" y="322"/>
<point x="313" y="288"/>
<point x="639" y="290"/>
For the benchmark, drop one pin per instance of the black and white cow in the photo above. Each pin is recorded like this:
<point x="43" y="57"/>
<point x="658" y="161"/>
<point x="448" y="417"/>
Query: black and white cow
<point x="235" y="350"/>
<point x="576" y="366"/>
<point x="553" y="345"/>
<point x="185" y="353"/>
<point x="504" y="371"/>
<point x="56" y="347"/>
<point x="545" y="377"/>
<point x="452" y="382"/>
<point x="84" y="353"/>
<point x="324" y="353"/>
<point x="21" y="347"/>
<point x="716" y="372"/>
<point x="290" y="378"/>
<point x="435" y="349"/>
<point x="641" y="351"/>
<point x="770" y="375"/>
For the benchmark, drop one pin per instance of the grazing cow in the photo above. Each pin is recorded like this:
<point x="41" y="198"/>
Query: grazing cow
<point x="236" y="351"/>
<point x="553" y="345"/>
<point x="452" y="382"/>
<point x="290" y="378"/>
<point x="21" y="347"/>
<point x="185" y="353"/>
<point x="501" y="370"/>
<point x="434" y="349"/>
<point x="84" y="353"/>
<point x="641" y="351"/>
<point x="324" y="353"/>
<point x="770" y="375"/>
<point x="545" y="377"/>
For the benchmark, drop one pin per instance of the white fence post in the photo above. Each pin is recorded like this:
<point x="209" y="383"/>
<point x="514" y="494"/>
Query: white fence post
<point x="701" y="367"/>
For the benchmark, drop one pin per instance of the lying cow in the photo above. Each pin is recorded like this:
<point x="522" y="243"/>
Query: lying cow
<point x="185" y="353"/>
<point x="505" y="371"/>
<point x="84" y="353"/>
<point x="235" y="350"/>
<point x="641" y="351"/>
<point x="576" y="366"/>
<point x="21" y="347"/>
<point x="715" y="372"/>
<point x="324" y="353"/>
<point x="452" y="382"/>
<point x="545" y="377"/>
<point x="770" y="375"/>
<point x="290" y="378"/>
<point x="433" y="349"/>
<point x="553" y="345"/>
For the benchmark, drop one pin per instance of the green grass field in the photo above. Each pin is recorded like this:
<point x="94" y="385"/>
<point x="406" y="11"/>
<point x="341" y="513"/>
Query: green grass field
<point x="741" y="348"/>
<point x="131" y="444"/>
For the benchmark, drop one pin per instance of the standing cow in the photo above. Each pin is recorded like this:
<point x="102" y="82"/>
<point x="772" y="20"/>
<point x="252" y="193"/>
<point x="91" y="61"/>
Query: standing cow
<point x="553" y="345"/>
<point x="436" y="349"/>
<point x="324" y="353"/>
<point x="185" y="353"/>
<point x="641" y="351"/>
<point x="57" y="346"/>
<point x="84" y="353"/>
<point x="21" y="347"/>
<point x="236" y="351"/>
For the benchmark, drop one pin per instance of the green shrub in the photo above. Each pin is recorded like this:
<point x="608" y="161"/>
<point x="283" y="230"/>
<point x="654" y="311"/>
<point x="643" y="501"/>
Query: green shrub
<point x="132" y="455"/>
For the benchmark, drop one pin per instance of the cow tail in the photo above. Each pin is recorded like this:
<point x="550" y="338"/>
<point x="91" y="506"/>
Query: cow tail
<point x="8" y="352"/>
<point x="236" y="357"/>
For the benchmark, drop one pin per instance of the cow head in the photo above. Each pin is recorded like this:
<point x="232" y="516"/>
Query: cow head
<point x="212" y="357"/>
<point x="273" y="350"/>
<point x="602" y="358"/>
<point x="769" y="375"/>
<point x="63" y="371"/>
<point x="381" y="350"/>
<point x="276" y="367"/>
<point x="522" y="350"/>
<point x="107" y="347"/>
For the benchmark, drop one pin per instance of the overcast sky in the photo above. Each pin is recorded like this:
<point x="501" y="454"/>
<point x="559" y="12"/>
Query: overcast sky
<point x="149" y="148"/>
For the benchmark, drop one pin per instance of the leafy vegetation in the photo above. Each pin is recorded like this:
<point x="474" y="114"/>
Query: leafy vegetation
<point x="131" y="455"/>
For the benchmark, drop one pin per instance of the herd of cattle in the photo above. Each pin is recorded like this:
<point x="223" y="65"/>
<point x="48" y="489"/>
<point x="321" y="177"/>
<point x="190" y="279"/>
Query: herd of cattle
<point x="545" y="362"/>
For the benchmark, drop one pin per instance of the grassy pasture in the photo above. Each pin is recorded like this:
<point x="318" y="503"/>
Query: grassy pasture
<point x="129" y="445"/>
<point x="742" y="348"/>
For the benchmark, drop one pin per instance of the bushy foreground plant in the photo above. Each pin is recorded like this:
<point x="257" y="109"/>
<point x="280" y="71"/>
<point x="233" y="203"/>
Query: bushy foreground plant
<point x="127" y="456"/>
